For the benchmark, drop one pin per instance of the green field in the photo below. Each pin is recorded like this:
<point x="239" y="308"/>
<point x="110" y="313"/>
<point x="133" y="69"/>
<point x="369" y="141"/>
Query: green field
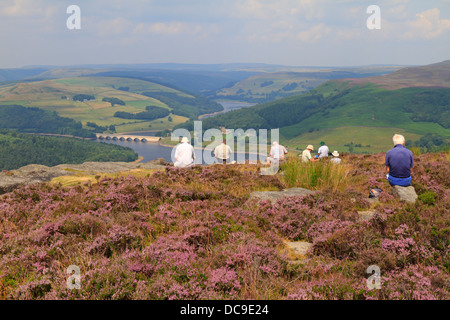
<point x="260" y="86"/>
<point x="47" y="95"/>
<point x="372" y="139"/>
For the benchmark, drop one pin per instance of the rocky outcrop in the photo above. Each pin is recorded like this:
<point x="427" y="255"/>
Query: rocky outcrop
<point x="273" y="196"/>
<point x="365" y="215"/>
<point x="407" y="194"/>
<point x="35" y="173"/>
<point x="111" y="167"/>
<point x="299" y="247"/>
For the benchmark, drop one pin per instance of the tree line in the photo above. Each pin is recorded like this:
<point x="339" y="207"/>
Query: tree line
<point x="150" y="113"/>
<point x="20" y="149"/>
<point x="190" y="107"/>
<point x="35" y="120"/>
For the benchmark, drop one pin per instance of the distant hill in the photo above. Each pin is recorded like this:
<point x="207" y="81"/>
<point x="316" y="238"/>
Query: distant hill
<point x="57" y="95"/>
<point x="435" y="75"/>
<point x="355" y="111"/>
<point x="20" y="73"/>
<point x="269" y="86"/>
<point x="250" y="82"/>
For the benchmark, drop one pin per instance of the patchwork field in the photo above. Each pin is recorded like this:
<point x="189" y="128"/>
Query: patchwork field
<point x="56" y="95"/>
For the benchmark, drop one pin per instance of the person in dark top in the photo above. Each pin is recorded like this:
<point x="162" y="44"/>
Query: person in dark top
<point x="399" y="163"/>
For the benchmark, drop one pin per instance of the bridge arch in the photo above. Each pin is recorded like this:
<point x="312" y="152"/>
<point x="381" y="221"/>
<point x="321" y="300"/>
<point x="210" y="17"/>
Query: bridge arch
<point x="125" y="137"/>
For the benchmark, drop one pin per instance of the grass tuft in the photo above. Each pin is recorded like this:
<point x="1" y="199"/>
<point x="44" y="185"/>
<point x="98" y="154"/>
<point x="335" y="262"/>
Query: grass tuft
<point x="315" y="175"/>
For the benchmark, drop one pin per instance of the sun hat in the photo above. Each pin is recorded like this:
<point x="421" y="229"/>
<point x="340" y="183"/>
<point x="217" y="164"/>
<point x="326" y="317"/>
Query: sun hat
<point x="184" y="139"/>
<point x="310" y="147"/>
<point x="335" y="153"/>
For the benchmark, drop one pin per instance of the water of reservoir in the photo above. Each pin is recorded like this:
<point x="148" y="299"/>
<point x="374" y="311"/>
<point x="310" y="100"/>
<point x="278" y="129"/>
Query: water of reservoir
<point x="230" y="106"/>
<point x="152" y="151"/>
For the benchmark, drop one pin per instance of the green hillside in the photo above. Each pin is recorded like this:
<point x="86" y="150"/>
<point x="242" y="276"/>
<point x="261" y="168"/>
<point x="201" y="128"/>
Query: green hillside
<point x="20" y="149"/>
<point x="58" y="95"/>
<point x="365" y="114"/>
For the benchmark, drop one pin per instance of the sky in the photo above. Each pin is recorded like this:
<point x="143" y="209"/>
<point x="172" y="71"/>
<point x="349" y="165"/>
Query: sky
<point x="282" y="32"/>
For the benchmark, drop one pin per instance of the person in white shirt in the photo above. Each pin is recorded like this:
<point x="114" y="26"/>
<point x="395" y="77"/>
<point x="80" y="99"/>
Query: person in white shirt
<point x="277" y="153"/>
<point x="336" y="158"/>
<point x="222" y="152"/>
<point x="184" y="154"/>
<point x="323" y="150"/>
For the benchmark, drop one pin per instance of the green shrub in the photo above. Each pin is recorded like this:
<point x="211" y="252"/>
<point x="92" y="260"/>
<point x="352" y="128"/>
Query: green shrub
<point x="428" y="198"/>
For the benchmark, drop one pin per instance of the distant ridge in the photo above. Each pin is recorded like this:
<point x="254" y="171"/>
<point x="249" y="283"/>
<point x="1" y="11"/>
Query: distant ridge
<point x="435" y="75"/>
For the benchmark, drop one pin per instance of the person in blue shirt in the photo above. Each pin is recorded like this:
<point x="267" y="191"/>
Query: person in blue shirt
<point x="399" y="163"/>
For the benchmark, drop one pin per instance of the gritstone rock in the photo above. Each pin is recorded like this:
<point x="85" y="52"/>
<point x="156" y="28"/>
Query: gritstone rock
<point x="407" y="194"/>
<point x="273" y="196"/>
<point x="34" y="173"/>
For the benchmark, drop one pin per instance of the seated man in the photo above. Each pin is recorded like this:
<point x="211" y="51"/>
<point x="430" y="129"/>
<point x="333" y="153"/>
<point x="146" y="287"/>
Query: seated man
<point x="277" y="154"/>
<point x="306" y="154"/>
<point x="399" y="162"/>
<point x="323" y="150"/>
<point x="222" y="152"/>
<point x="336" y="158"/>
<point x="184" y="154"/>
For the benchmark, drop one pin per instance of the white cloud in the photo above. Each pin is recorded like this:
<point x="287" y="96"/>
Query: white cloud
<point x="19" y="8"/>
<point x="314" y="33"/>
<point x="271" y="10"/>
<point x="113" y="27"/>
<point x="175" y="28"/>
<point x="427" y="25"/>
<point x="348" y="34"/>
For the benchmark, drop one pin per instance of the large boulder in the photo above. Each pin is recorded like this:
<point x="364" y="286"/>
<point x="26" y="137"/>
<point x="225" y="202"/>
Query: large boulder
<point x="110" y="167"/>
<point x="34" y="173"/>
<point x="407" y="194"/>
<point x="273" y="196"/>
<point x="30" y="174"/>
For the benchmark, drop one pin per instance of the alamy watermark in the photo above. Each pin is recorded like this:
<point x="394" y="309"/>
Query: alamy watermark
<point x="374" y="281"/>
<point x="74" y="20"/>
<point x="74" y="281"/>
<point x="257" y="144"/>
<point x="374" y="21"/>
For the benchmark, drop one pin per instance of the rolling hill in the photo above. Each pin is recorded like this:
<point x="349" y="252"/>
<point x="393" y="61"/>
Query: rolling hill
<point x="435" y="75"/>
<point x="250" y="82"/>
<point x="57" y="95"/>
<point x="271" y="85"/>
<point x="343" y="113"/>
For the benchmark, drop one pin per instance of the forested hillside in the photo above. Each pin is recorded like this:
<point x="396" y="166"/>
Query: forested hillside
<point x="20" y="149"/>
<point x="36" y="120"/>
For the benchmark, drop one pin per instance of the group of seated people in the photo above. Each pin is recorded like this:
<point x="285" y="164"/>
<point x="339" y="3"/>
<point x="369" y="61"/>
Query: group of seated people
<point x="398" y="161"/>
<point x="278" y="152"/>
<point x="185" y="154"/>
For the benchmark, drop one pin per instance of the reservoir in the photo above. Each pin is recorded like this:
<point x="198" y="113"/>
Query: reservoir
<point x="230" y="106"/>
<point x="152" y="151"/>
